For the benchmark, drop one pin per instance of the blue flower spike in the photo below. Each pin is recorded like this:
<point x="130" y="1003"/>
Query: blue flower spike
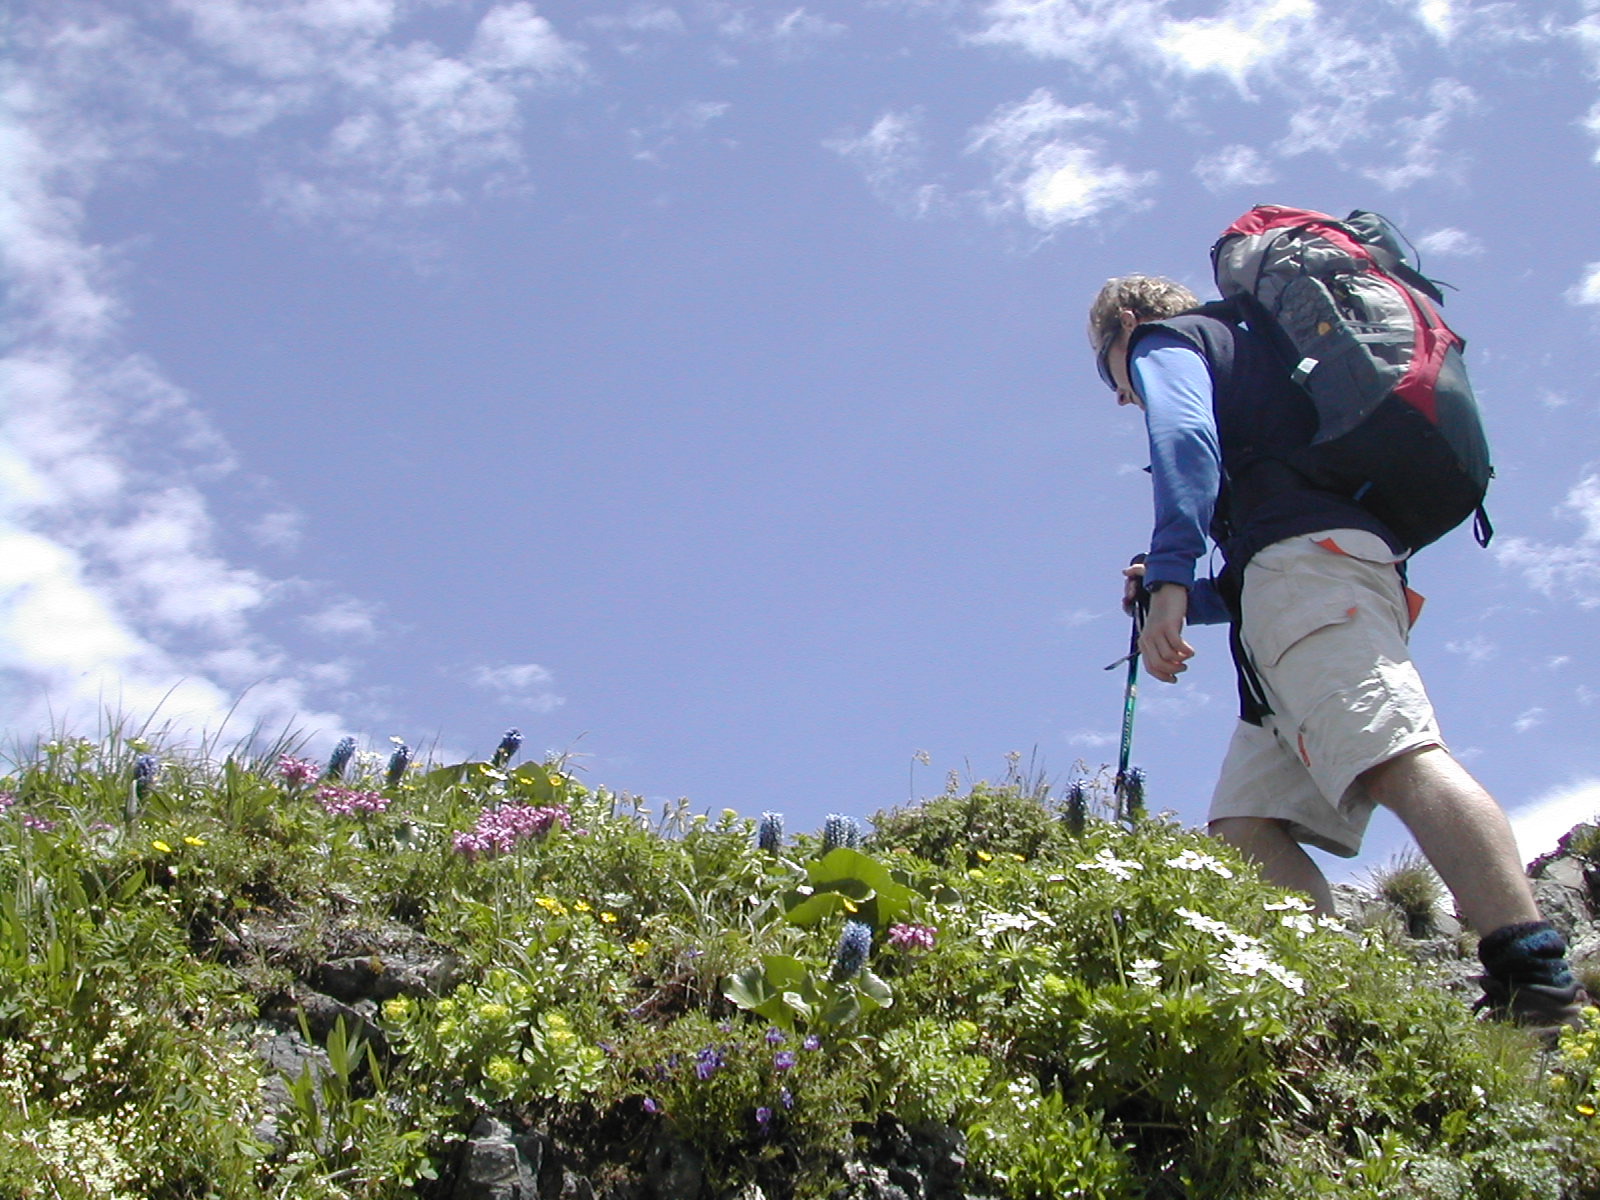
<point x="340" y="758"/>
<point x="854" y="945"/>
<point x="769" y="835"/>
<point x="398" y="762"/>
<point x="507" y="749"/>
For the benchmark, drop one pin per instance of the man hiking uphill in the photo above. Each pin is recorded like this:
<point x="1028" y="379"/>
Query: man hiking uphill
<point x="1335" y="718"/>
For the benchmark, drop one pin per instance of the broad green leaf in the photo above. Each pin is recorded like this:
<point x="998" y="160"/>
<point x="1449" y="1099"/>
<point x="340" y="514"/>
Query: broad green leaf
<point x="875" y="989"/>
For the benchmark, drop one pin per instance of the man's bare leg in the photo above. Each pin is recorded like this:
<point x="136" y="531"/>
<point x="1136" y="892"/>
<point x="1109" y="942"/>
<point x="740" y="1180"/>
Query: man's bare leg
<point x="1283" y="861"/>
<point x="1462" y="833"/>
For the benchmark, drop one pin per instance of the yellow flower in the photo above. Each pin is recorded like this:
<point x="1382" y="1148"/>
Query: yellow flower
<point x="608" y="918"/>
<point x="581" y="905"/>
<point x="1586" y="1109"/>
<point x="397" y="1009"/>
<point x="1019" y="858"/>
<point x="161" y="846"/>
<point x="500" y="1069"/>
<point x="194" y="841"/>
<point x="985" y="856"/>
<point x="639" y="947"/>
<point x="551" y="905"/>
<point x="494" y="1012"/>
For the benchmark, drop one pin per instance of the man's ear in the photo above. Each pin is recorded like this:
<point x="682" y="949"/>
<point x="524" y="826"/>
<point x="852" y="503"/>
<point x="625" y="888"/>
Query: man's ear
<point x="1127" y="320"/>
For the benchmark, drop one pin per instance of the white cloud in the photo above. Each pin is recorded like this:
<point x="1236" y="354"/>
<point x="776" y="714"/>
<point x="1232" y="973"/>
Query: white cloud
<point x="1234" y="166"/>
<point x="1421" y="137"/>
<point x="1248" y="35"/>
<point x="1476" y="649"/>
<point x="525" y="684"/>
<point x="1049" y="180"/>
<point x="1439" y="17"/>
<point x="1080" y="31"/>
<point x="890" y="158"/>
<point x="345" y="618"/>
<point x="1587" y="289"/>
<point x="1529" y="719"/>
<point x="1450" y="243"/>
<point x="1091" y="739"/>
<point x="1540" y="823"/>
<point x="1571" y="571"/>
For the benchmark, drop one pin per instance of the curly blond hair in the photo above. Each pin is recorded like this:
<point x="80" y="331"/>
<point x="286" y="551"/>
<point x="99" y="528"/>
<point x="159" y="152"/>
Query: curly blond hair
<point x="1148" y="297"/>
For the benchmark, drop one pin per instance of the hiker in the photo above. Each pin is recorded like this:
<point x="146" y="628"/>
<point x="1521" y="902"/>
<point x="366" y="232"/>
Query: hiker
<point x="1334" y="716"/>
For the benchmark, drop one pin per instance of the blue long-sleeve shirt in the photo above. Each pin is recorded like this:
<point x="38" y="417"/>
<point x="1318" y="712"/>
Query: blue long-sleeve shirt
<point x="1185" y="465"/>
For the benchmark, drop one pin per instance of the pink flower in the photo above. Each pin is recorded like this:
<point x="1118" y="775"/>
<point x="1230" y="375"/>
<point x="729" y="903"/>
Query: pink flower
<point x="296" y="772"/>
<point x="912" y="937"/>
<point x="501" y="829"/>
<point x="349" y="802"/>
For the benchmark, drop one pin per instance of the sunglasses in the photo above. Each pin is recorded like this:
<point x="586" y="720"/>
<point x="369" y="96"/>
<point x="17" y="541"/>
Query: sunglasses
<point x="1102" y="360"/>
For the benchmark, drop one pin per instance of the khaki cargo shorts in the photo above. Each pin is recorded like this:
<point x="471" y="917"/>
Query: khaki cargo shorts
<point x="1326" y="620"/>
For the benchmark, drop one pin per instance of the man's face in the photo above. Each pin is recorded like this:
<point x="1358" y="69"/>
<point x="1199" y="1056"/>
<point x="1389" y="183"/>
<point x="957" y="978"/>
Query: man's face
<point x="1111" y="356"/>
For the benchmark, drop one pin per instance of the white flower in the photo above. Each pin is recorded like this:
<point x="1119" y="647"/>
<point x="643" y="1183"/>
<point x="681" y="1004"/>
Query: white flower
<point x="994" y="924"/>
<point x="1291" y="904"/>
<point x="1117" y="868"/>
<point x="1145" y="972"/>
<point x="1193" y="860"/>
<point x="1299" y="922"/>
<point x="1205" y="924"/>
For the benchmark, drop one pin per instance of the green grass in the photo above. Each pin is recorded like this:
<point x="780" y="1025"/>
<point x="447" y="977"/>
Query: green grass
<point x="1106" y="1013"/>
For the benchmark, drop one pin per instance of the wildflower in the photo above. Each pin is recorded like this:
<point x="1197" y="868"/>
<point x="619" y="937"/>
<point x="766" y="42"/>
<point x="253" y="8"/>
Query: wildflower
<point x="839" y="830"/>
<point x="812" y="1042"/>
<point x="984" y="855"/>
<point x="851" y="955"/>
<point x="191" y="840"/>
<point x="775" y="1036"/>
<point x="769" y="836"/>
<point x="340" y="758"/>
<point x="1145" y="972"/>
<point x="398" y="1009"/>
<point x="508" y="746"/>
<point x="161" y="846"/>
<point x="29" y="821"/>
<point x="1586" y="1110"/>
<point x="145" y="769"/>
<point x="708" y="1062"/>
<point x="912" y="937"/>
<point x="581" y="905"/>
<point x="783" y="1060"/>
<point x="786" y="1097"/>
<point x="1193" y="860"/>
<point x="1133" y="792"/>
<point x="650" y="1106"/>
<point x="551" y="905"/>
<point x="639" y="947"/>
<point x="1117" y="868"/>
<point x="398" y="762"/>
<point x="7" y="799"/>
<point x="501" y="829"/>
<point x="1077" y="808"/>
<point x="500" y="1069"/>
<point x="608" y="918"/>
<point x="763" y="1116"/>
<point x="349" y="802"/>
<point x="296" y="772"/>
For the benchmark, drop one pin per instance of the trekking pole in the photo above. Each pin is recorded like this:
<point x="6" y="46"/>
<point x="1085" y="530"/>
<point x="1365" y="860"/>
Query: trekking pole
<point x="1124" y="793"/>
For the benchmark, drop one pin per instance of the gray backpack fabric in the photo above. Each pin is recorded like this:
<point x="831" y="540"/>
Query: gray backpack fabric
<point x="1358" y="328"/>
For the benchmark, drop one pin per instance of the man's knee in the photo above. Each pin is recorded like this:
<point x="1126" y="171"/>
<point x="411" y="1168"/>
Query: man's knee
<point x="1249" y="833"/>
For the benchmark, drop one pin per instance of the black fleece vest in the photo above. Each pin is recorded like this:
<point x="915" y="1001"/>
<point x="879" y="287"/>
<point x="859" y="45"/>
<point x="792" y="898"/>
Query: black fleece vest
<point x="1260" y="415"/>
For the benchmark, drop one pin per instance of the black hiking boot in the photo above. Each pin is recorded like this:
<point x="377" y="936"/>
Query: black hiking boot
<point x="1528" y="981"/>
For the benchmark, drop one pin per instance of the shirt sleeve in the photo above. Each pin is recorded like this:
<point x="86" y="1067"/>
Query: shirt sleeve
<point x="1185" y="464"/>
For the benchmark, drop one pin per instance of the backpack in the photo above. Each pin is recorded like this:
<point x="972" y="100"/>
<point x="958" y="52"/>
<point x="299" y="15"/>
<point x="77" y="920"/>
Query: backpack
<point x="1398" y="429"/>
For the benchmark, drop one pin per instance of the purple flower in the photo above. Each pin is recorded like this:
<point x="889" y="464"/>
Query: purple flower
<point x="296" y="772"/>
<point x="851" y="956"/>
<point x="775" y="1036"/>
<point x="786" y="1097"/>
<point x="350" y="802"/>
<point x="839" y="830"/>
<point x="501" y="829"/>
<point x="29" y="821"/>
<point x="783" y="1060"/>
<point x="912" y="937"/>
<point x="650" y="1106"/>
<point x="340" y="758"/>
<point x="812" y="1042"/>
<point x="507" y="748"/>
<point x="708" y="1062"/>
<point x="398" y="762"/>
<point x="7" y="799"/>
<point x="763" y="1116"/>
<point x="769" y="836"/>
<point x="145" y="769"/>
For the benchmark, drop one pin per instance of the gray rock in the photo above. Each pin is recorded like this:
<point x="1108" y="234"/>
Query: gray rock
<point x="498" y="1164"/>
<point x="674" y="1170"/>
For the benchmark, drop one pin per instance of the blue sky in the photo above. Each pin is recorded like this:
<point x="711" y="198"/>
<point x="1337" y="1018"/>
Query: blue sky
<point x="702" y="388"/>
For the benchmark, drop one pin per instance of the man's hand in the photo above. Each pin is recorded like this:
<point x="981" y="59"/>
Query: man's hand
<point x="1165" y="652"/>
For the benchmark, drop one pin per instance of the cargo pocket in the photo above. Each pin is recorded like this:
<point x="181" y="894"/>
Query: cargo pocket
<point x="1280" y="612"/>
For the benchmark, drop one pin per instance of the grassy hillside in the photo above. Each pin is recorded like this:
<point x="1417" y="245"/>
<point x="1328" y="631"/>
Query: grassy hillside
<point x="1066" y="1006"/>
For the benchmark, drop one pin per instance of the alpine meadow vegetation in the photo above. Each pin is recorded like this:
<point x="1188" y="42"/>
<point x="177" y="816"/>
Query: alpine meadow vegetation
<point x="262" y="974"/>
